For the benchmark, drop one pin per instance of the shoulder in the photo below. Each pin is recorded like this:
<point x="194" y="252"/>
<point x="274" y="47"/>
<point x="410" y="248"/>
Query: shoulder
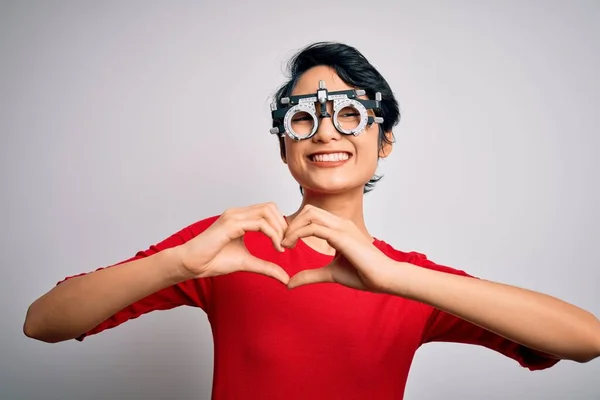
<point x="415" y="258"/>
<point x="188" y="232"/>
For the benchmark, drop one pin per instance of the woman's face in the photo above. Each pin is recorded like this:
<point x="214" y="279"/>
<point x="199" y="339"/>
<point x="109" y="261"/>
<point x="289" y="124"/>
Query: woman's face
<point x="331" y="162"/>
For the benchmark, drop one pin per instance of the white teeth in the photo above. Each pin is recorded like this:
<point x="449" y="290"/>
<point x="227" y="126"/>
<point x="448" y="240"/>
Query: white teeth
<point x="330" y="157"/>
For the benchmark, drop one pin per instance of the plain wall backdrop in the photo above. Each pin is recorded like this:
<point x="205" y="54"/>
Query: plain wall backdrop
<point x="123" y="121"/>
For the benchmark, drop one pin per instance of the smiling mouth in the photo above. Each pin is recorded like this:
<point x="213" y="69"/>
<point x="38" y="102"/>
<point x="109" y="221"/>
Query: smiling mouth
<point x="329" y="157"/>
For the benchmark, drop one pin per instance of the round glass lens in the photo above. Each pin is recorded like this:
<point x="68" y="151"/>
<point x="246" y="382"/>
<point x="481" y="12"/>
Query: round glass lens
<point x="302" y="123"/>
<point x="348" y="118"/>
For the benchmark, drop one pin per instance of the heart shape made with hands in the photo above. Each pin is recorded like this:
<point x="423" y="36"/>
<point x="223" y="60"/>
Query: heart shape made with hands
<point x="355" y="253"/>
<point x="357" y="262"/>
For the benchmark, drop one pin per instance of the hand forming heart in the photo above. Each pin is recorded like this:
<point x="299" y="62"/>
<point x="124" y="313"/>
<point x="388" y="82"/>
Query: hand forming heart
<point x="358" y="264"/>
<point x="220" y="249"/>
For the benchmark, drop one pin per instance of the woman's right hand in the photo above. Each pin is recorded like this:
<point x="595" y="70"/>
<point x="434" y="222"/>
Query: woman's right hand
<point x="220" y="249"/>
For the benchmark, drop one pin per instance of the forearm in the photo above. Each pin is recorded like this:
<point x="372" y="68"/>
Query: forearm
<point x="532" y="319"/>
<point x="81" y="303"/>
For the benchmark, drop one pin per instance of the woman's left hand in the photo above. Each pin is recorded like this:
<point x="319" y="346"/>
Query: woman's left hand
<point x="358" y="264"/>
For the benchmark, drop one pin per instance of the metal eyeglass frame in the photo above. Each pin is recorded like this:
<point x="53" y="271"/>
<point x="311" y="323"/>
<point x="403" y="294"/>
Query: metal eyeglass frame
<point x="293" y="105"/>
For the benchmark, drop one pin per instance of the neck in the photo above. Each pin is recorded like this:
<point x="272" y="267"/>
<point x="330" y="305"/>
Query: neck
<point x="347" y="205"/>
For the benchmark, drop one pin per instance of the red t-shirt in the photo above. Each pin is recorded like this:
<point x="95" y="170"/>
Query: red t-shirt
<point x="322" y="341"/>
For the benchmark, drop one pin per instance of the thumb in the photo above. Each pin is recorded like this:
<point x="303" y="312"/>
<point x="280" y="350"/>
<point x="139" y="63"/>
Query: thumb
<point x="310" y="276"/>
<point x="258" y="266"/>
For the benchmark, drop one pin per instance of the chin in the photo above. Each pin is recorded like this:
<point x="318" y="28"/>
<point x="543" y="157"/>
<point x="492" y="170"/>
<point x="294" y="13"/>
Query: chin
<point x="333" y="188"/>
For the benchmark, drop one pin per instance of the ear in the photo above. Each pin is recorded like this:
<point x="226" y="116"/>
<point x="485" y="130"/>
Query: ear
<point x="387" y="147"/>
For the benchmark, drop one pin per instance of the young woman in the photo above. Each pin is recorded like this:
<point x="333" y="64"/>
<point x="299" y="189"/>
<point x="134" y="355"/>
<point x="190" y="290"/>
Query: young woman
<point x="310" y="305"/>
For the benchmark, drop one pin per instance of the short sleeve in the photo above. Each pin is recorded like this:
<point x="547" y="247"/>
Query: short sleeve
<point x="444" y="327"/>
<point x="194" y="292"/>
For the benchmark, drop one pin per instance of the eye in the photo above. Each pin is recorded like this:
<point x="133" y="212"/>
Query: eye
<point x="302" y="119"/>
<point x="348" y="118"/>
<point x="348" y="112"/>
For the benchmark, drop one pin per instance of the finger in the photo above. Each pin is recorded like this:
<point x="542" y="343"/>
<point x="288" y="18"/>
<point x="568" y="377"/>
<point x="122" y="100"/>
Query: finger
<point x="261" y="224"/>
<point x="312" y="229"/>
<point x="300" y="218"/>
<point x="345" y="274"/>
<point x="279" y="216"/>
<point x="311" y="276"/>
<point x="315" y="214"/>
<point x="258" y="266"/>
<point x="271" y="214"/>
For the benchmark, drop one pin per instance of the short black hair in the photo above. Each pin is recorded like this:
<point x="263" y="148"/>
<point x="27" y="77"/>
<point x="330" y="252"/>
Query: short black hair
<point x="355" y="70"/>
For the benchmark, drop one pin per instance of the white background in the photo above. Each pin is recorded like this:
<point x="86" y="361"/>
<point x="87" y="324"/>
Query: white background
<point x="122" y="122"/>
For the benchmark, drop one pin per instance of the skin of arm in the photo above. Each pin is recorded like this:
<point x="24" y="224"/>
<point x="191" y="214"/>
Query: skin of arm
<point x="538" y="321"/>
<point x="81" y="303"/>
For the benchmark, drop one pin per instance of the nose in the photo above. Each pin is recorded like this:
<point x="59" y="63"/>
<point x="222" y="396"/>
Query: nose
<point x="326" y="131"/>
